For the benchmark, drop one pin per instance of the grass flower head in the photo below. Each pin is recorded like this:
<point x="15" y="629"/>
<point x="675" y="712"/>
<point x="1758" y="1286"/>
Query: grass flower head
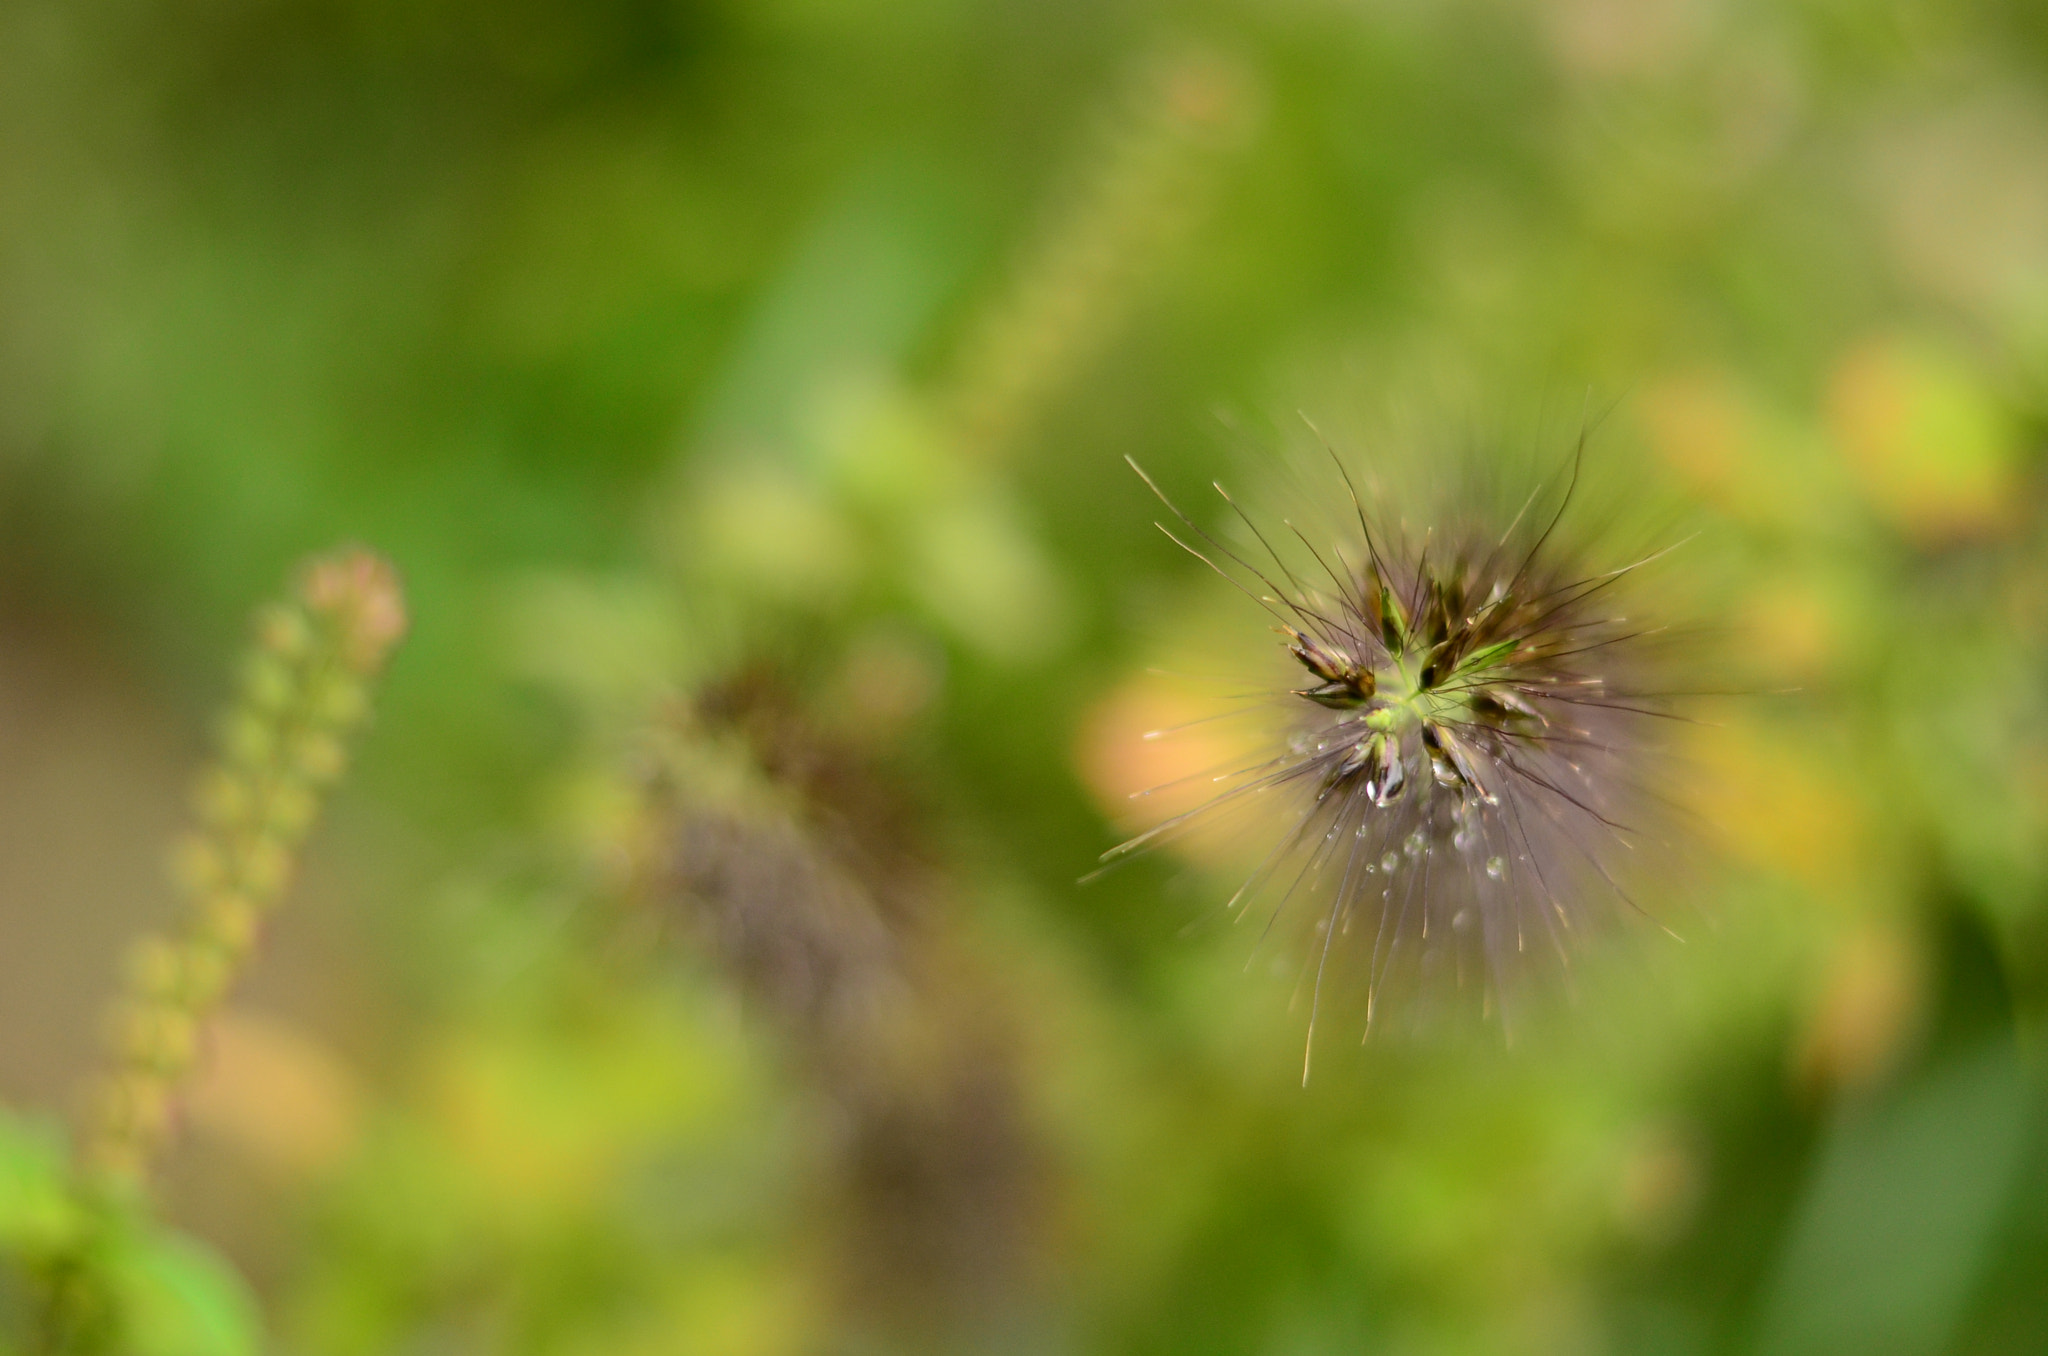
<point x="1462" y="758"/>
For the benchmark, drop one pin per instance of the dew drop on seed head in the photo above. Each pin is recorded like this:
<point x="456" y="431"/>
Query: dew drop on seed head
<point x="1496" y="867"/>
<point x="1463" y="839"/>
<point x="1389" y="862"/>
<point x="1416" y="844"/>
<point x="1300" y="742"/>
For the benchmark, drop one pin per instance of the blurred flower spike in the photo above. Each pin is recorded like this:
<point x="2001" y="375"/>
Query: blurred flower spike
<point x="1462" y="759"/>
<point x="304" y="690"/>
<point x="357" y="592"/>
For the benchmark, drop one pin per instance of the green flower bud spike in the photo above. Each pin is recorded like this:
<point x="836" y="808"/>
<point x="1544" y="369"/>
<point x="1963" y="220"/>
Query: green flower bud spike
<point x="304" y="690"/>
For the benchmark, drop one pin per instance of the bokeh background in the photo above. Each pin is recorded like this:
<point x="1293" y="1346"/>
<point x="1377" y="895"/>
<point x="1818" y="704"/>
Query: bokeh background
<point x="695" y="962"/>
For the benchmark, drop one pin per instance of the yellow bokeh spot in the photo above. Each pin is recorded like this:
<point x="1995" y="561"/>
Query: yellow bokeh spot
<point x="1777" y="806"/>
<point x="1153" y="749"/>
<point x="1870" y="998"/>
<point x="1728" y="450"/>
<point x="1924" y="440"/>
<point x="547" y="1121"/>
<point x="276" y="1093"/>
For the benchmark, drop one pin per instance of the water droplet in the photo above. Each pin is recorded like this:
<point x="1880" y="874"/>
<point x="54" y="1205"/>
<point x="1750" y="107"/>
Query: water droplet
<point x="1463" y="838"/>
<point x="1301" y="741"/>
<point x="1389" y="862"/>
<point x="1496" y="867"/>
<point x="1362" y="829"/>
<point x="1416" y="844"/>
<point x="1461" y="920"/>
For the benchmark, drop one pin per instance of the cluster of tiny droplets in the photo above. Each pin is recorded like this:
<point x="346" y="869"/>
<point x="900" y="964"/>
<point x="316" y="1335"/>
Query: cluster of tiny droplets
<point x="304" y="689"/>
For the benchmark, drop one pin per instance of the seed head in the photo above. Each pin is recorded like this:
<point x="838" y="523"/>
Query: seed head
<point x="1462" y="764"/>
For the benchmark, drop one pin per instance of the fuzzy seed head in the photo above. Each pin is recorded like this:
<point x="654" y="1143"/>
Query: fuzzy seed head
<point x="1462" y="764"/>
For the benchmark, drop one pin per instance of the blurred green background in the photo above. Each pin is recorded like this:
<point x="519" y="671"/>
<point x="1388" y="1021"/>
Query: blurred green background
<point x="742" y="388"/>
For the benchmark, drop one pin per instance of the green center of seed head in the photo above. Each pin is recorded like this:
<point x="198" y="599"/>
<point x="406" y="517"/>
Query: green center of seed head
<point x="1434" y="682"/>
<point x="1403" y="700"/>
<point x="1409" y="707"/>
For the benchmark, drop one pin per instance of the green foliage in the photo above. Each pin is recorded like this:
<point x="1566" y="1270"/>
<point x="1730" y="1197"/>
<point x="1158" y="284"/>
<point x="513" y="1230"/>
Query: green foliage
<point x="695" y="960"/>
<point x="82" y="1274"/>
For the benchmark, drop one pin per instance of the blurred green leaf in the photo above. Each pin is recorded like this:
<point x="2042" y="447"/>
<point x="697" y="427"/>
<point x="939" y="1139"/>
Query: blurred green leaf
<point x="1895" y="1225"/>
<point x="178" y="1298"/>
<point x="37" y="1212"/>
